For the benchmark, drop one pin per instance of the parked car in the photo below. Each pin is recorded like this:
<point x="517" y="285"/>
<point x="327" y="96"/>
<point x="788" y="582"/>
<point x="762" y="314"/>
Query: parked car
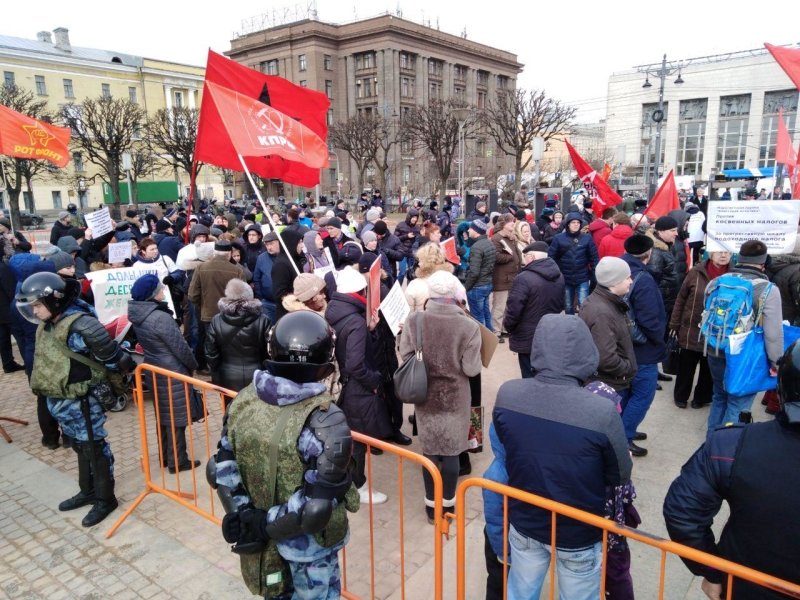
<point x="27" y="219"/>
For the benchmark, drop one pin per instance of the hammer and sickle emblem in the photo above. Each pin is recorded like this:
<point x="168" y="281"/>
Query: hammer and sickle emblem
<point x="38" y="135"/>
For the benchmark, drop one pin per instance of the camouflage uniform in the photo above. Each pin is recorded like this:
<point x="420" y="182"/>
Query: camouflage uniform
<point x="267" y="419"/>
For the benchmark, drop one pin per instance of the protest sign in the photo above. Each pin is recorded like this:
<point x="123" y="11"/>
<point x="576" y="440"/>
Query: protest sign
<point x="112" y="291"/>
<point x="119" y="252"/>
<point x="374" y="289"/>
<point x="731" y="223"/>
<point x="395" y="308"/>
<point x="99" y="222"/>
<point x="450" y="254"/>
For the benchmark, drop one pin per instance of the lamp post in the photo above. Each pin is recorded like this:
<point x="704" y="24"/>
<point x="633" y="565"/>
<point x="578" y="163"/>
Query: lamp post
<point x="646" y="138"/>
<point x="461" y="115"/>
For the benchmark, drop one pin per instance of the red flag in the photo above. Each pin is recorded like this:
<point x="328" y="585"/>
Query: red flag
<point x="665" y="200"/>
<point x="784" y="150"/>
<point x="601" y="194"/>
<point x="22" y="136"/>
<point x="301" y="104"/>
<point x="256" y="129"/>
<point x="449" y="247"/>
<point x="607" y="170"/>
<point x="789" y="60"/>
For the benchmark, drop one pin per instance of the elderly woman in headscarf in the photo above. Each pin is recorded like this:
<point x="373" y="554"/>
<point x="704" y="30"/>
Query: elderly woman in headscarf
<point x="314" y="250"/>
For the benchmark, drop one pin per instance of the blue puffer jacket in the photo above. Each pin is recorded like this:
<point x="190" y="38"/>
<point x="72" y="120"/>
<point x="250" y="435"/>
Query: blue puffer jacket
<point x="575" y="254"/>
<point x="648" y="309"/>
<point x="492" y="502"/>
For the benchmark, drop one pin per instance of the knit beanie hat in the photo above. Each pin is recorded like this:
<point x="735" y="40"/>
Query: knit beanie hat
<point x="368" y="236"/>
<point x="61" y="260"/>
<point x="350" y="281"/>
<point x="365" y="262"/>
<point x="68" y="244"/>
<point x="752" y="252"/>
<point x="443" y="284"/>
<point x="146" y="287"/>
<point x="610" y="271"/>
<point x="478" y="226"/>
<point x="665" y="223"/>
<point x="380" y="228"/>
<point x="373" y="214"/>
<point x="306" y="286"/>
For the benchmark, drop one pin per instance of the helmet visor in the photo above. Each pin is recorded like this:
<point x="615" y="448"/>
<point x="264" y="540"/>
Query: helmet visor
<point x="25" y="308"/>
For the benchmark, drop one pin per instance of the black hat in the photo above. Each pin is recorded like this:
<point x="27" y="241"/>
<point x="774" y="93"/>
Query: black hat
<point x="520" y="215"/>
<point x="162" y="226"/>
<point x="130" y="213"/>
<point x="380" y="228"/>
<point x="365" y="262"/>
<point x="665" y="223"/>
<point x="638" y="244"/>
<point x="752" y="252"/>
<point x="640" y="202"/>
<point x="223" y="246"/>
<point x="334" y="222"/>
<point x="536" y="247"/>
<point x="271" y="237"/>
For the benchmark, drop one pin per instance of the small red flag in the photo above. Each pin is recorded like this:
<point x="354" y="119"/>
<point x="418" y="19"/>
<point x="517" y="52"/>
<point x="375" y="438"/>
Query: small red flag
<point x="784" y="150"/>
<point x="374" y="289"/>
<point x="22" y="136"/>
<point x="665" y="200"/>
<point x="449" y="247"/>
<point x="789" y="60"/>
<point x="601" y="194"/>
<point x="607" y="170"/>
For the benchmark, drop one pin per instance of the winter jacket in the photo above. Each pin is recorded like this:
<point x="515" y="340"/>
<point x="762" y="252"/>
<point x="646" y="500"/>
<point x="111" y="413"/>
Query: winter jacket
<point x="614" y="243"/>
<point x="538" y="290"/>
<point x="605" y="315"/>
<point x="566" y="446"/>
<point x="58" y="231"/>
<point x="8" y="284"/>
<point x="481" y="263"/>
<point x="575" y="254"/>
<point x="394" y="250"/>
<point x="662" y="263"/>
<point x="688" y="310"/>
<point x="599" y="229"/>
<point x="648" y="307"/>
<point x="508" y="261"/>
<point x="164" y="346"/>
<point x="283" y="269"/>
<point x="236" y="343"/>
<point x="405" y="231"/>
<point x="784" y="271"/>
<point x="680" y="245"/>
<point x="208" y="285"/>
<point x="475" y="214"/>
<point x="549" y="232"/>
<point x="170" y="245"/>
<point x="251" y="254"/>
<point x="493" y="502"/>
<point x="262" y="277"/>
<point x="356" y="348"/>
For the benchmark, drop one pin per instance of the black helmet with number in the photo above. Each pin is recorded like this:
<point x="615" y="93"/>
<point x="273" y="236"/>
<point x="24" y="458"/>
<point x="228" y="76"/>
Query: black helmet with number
<point x="301" y="347"/>
<point x="789" y="384"/>
<point x="55" y="292"/>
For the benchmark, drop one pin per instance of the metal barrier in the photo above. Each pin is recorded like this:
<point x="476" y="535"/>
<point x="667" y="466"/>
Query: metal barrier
<point x="200" y="498"/>
<point x="607" y="526"/>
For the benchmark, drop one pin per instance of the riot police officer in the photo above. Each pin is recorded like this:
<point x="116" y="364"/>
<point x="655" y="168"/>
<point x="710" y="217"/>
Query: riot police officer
<point x="753" y="467"/>
<point x="75" y="218"/>
<point x="72" y="360"/>
<point x="282" y="468"/>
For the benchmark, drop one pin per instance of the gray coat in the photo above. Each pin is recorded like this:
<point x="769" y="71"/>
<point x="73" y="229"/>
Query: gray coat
<point x="164" y="347"/>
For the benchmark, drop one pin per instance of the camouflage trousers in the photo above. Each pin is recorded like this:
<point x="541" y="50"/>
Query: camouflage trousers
<point x="320" y="579"/>
<point x="68" y="413"/>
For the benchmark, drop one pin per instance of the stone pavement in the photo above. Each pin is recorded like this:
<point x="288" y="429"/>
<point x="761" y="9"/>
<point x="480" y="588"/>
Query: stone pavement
<point x="165" y="551"/>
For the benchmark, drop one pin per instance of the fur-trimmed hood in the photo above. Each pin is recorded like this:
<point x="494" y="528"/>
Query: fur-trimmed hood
<point x="239" y="311"/>
<point x="292" y="304"/>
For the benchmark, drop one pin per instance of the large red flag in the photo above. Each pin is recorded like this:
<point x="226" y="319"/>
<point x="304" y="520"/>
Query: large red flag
<point x="22" y="136"/>
<point x="301" y="104"/>
<point x="789" y="60"/>
<point x="599" y="191"/>
<point x="665" y="200"/>
<point x="784" y="150"/>
<point x="256" y="129"/>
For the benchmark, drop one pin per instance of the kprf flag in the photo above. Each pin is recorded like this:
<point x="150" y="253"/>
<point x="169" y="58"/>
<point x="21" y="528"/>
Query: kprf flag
<point x="308" y="107"/>
<point x="256" y="129"/>
<point x="665" y="200"/>
<point x="784" y="150"/>
<point x="789" y="60"/>
<point x="22" y="136"/>
<point x="601" y="194"/>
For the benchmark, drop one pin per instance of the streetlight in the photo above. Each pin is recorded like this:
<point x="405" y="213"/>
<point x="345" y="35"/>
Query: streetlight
<point x="461" y="115"/>
<point x="658" y="116"/>
<point x="646" y="137"/>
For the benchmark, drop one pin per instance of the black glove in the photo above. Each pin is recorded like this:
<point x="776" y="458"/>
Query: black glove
<point x="168" y="280"/>
<point x="247" y="530"/>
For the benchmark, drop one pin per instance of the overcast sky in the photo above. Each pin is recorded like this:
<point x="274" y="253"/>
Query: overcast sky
<point x="569" y="49"/>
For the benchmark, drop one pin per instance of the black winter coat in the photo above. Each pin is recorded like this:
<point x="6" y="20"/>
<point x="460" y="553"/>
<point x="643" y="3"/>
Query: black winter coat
<point x="537" y="290"/>
<point x="164" y="347"/>
<point x="58" y="231"/>
<point x="236" y="343"/>
<point x="481" y="263"/>
<point x="662" y="266"/>
<point x="283" y="272"/>
<point x="405" y="228"/>
<point x="8" y="285"/>
<point x="356" y="349"/>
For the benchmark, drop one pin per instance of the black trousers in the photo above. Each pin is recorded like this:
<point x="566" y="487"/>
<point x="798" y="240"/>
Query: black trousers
<point x="688" y="361"/>
<point x="6" y="353"/>
<point x="394" y="406"/>
<point x="360" y="461"/>
<point x="494" y="571"/>
<point x="200" y="351"/>
<point x="168" y="458"/>
<point x="47" y="423"/>
<point x="448" y="467"/>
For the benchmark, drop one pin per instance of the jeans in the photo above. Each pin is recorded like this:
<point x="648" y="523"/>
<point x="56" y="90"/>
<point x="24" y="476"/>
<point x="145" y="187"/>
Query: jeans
<point x="573" y="293"/>
<point x="268" y="308"/>
<point x="636" y="400"/>
<point x="578" y="570"/>
<point x="525" y="368"/>
<point x="478" y="298"/>
<point x="725" y="408"/>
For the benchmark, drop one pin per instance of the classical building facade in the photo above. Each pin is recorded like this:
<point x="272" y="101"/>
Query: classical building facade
<point x="384" y="66"/>
<point x="55" y="70"/>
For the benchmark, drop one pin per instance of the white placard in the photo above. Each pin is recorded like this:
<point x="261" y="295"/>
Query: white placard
<point x="119" y="252"/>
<point x="395" y="308"/>
<point x="731" y="223"/>
<point x="112" y="291"/>
<point x="99" y="222"/>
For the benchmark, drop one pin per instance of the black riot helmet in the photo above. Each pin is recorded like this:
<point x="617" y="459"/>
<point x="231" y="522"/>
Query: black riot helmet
<point x="300" y="347"/>
<point x="789" y="383"/>
<point x="71" y="208"/>
<point x="55" y="292"/>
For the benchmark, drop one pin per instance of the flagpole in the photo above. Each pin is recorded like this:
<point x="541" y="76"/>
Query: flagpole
<point x="192" y="177"/>
<point x="266" y="211"/>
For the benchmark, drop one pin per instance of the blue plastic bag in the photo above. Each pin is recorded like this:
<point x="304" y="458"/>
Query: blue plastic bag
<point x="747" y="366"/>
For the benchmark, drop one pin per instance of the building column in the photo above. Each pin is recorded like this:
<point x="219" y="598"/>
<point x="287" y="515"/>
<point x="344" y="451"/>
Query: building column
<point x="380" y="85"/>
<point x="350" y="85"/>
<point x="191" y="92"/>
<point x="447" y="81"/>
<point x="472" y="86"/>
<point x="168" y="95"/>
<point x="422" y="80"/>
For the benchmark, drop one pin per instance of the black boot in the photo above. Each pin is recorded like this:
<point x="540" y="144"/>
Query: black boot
<point x="464" y="464"/>
<point x="103" y="486"/>
<point x="86" y="495"/>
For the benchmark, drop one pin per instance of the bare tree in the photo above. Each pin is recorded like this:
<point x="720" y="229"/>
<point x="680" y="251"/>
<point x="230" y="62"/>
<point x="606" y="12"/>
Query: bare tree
<point x="144" y="162"/>
<point x="434" y="128"/>
<point x="358" y="136"/>
<point x="389" y="135"/>
<point x="15" y="171"/>
<point x="172" y="134"/>
<point x="103" y="129"/>
<point x="515" y="117"/>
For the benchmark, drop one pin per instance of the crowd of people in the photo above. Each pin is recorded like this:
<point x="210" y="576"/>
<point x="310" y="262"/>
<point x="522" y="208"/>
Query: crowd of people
<point x="592" y="304"/>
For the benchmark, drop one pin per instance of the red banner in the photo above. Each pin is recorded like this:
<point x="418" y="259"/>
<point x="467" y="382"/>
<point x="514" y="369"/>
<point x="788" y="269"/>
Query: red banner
<point x="789" y="60"/>
<point x="784" y="149"/>
<point x="665" y="201"/>
<point x="22" y="136"/>
<point x="450" y="254"/>
<point x="599" y="191"/>
<point x="374" y="289"/>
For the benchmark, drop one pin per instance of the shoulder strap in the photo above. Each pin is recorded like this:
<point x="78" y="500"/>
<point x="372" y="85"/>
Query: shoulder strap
<point x="81" y="358"/>
<point x="277" y="434"/>
<point x="761" y="301"/>
<point x="419" y="332"/>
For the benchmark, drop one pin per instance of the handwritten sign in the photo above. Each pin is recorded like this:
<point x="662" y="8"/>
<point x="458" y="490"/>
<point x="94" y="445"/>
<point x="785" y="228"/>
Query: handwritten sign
<point x="731" y="223"/>
<point x="99" y="222"/>
<point x="395" y="308"/>
<point x="119" y="252"/>
<point x="112" y="291"/>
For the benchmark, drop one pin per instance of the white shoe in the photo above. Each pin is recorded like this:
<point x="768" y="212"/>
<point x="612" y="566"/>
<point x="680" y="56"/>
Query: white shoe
<point x="377" y="497"/>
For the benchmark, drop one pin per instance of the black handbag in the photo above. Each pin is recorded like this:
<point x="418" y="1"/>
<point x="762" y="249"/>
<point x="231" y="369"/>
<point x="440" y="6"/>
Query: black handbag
<point x="197" y="406"/>
<point x="670" y="364"/>
<point x="411" y="378"/>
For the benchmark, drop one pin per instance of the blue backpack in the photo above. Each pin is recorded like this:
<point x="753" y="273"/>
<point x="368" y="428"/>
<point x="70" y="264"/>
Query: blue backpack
<point x="728" y="310"/>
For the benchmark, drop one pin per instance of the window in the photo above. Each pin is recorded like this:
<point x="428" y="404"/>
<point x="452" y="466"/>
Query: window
<point x="407" y="86"/>
<point x="364" y="88"/>
<point x="334" y="179"/>
<point x="460" y="93"/>
<point x="41" y="88"/>
<point x="481" y="100"/>
<point x="302" y="63"/>
<point x="406" y="60"/>
<point x="68" y="91"/>
<point x="691" y="136"/>
<point x="327" y="62"/>
<point x="270" y="67"/>
<point x="132" y="95"/>
<point x="502" y="82"/>
<point x="27" y="198"/>
<point x="329" y="88"/>
<point x="303" y="83"/>
<point x="483" y="78"/>
<point x="77" y="161"/>
<point x="406" y="174"/>
<point x="73" y="114"/>
<point x="460" y="73"/>
<point x="734" y="118"/>
<point x="56" y="199"/>
<point x="330" y="117"/>
<point x="178" y="99"/>
<point x="365" y="60"/>
<point x="435" y="67"/>
<point x="106" y="90"/>
<point x="434" y="90"/>
<point x="480" y="146"/>
<point x="8" y="78"/>
<point x="773" y="102"/>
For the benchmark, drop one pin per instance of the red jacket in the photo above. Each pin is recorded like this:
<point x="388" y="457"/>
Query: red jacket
<point x="613" y="244"/>
<point x="599" y="229"/>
